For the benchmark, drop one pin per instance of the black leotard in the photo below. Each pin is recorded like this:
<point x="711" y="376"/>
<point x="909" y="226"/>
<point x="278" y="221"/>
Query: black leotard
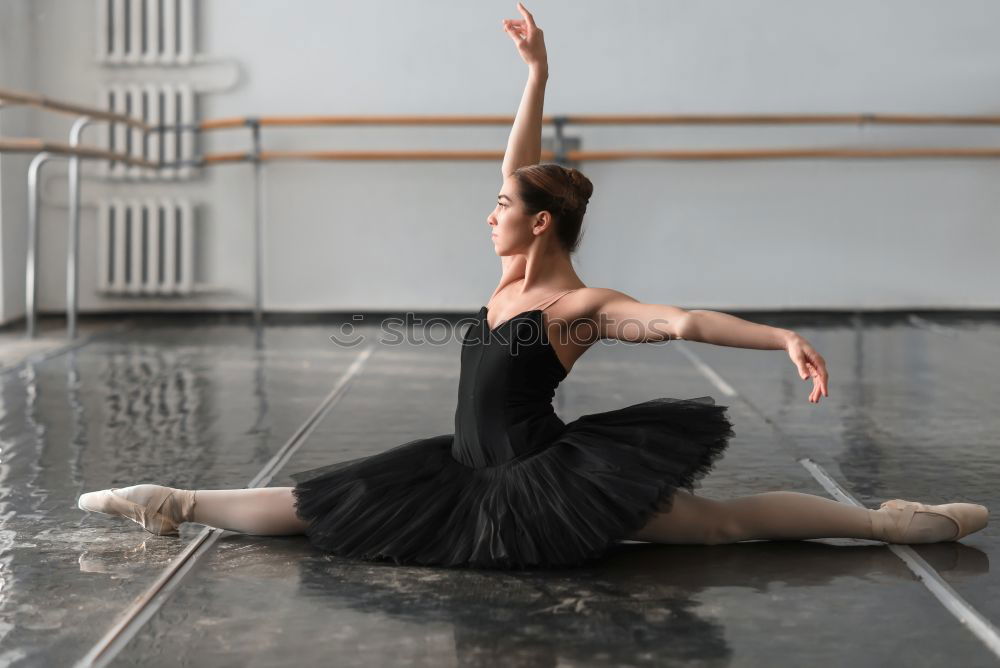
<point x="513" y="486"/>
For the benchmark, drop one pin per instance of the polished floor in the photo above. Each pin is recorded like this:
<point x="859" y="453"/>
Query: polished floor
<point x="912" y="413"/>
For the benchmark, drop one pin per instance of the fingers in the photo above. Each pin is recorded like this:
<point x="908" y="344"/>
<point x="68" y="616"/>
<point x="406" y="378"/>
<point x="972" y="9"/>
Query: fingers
<point x="817" y="365"/>
<point x="816" y="390"/>
<point x="823" y="376"/>
<point x="819" y="380"/>
<point x="514" y="35"/>
<point x="527" y="15"/>
<point x="516" y="29"/>
<point x="811" y="364"/>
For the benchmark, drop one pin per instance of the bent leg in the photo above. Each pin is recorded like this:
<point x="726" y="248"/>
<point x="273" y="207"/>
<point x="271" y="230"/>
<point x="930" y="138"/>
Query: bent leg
<point x="262" y="511"/>
<point x="766" y="516"/>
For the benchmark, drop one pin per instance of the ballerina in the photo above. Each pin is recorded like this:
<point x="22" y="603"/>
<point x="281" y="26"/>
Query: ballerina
<point x="514" y="486"/>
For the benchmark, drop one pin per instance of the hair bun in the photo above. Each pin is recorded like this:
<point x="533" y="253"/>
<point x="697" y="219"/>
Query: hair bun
<point x="562" y="191"/>
<point x="581" y="184"/>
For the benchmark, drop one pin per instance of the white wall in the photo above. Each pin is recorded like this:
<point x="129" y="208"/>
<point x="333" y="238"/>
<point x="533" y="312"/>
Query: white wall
<point x="16" y="71"/>
<point x="777" y="234"/>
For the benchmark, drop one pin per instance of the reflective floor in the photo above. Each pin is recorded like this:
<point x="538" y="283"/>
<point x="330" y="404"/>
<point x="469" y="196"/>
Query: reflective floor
<point x="912" y="413"/>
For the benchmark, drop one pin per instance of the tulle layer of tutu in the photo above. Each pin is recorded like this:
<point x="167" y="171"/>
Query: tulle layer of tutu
<point x="598" y="482"/>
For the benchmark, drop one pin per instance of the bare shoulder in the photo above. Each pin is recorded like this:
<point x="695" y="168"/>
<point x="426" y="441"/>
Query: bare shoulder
<point x="617" y="315"/>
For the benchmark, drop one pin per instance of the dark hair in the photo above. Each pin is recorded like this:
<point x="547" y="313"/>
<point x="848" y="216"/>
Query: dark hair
<point x="562" y="191"/>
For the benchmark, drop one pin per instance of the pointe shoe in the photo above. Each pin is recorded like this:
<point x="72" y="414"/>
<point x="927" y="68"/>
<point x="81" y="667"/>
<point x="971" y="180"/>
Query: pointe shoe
<point x="894" y="522"/>
<point x="161" y="511"/>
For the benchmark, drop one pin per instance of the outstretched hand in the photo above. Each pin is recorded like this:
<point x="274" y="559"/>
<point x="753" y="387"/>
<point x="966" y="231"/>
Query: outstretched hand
<point x="810" y="365"/>
<point x="528" y="37"/>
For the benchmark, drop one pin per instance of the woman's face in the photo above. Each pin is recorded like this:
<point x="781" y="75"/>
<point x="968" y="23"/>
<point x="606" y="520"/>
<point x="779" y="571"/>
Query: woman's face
<point x="510" y="227"/>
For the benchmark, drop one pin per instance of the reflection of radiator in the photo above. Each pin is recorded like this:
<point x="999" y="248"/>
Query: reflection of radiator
<point x="155" y="104"/>
<point x="145" y="247"/>
<point x="145" y="32"/>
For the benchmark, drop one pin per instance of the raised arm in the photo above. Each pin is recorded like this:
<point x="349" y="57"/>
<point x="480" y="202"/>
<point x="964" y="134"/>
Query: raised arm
<point x="524" y="147"/>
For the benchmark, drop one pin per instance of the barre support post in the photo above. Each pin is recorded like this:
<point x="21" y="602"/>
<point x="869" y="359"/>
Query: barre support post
<point x="30" y="288"/>
<point x="73" y="232"/>
<point x="258" y="221"/>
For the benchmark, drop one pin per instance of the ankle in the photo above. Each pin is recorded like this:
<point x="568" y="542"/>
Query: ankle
<point x="188" y="502"/>
<point x="876" y="525"/>
<point x="180" y="504"/>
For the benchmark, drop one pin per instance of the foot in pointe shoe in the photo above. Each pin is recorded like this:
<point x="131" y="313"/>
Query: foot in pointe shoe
<point x="900" y="521"/>
<point x="158" y="509"/>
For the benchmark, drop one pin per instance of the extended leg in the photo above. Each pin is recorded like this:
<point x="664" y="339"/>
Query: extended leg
<point x="765" y="516"/>
<point x="794" y="516"/>
<point x="693" y="520"/>
<point x="264" y="511"/>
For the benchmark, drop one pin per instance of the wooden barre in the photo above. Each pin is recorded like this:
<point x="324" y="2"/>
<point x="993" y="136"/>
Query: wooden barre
<point x="653" y="119"/>
<point x="242" y="122"/>
<point x="784" y="119"/>
<point x="35" y="145"/>
<point x="12" y="97"/>
<point x="33" y="99"/>
<point x="598" y="156"/>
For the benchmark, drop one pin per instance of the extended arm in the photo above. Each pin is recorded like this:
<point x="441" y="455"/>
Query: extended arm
<point x="625" y="318"/>
<point x="722" y="329"/>
<point x="616" y="315"/>
<point x="619" y="316"/>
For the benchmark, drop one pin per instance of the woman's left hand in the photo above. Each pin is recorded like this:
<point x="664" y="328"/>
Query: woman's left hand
<point x="810" y="364"/>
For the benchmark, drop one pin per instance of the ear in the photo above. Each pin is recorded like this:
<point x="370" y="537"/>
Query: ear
<point x="542" y="221"/>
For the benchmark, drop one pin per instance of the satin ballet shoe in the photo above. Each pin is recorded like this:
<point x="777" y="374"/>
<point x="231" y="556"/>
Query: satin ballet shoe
<point x="899" y="521"/>
<point x="160" y="510"/>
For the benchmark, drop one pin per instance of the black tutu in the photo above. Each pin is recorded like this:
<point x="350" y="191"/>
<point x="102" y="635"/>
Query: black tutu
<point x="596" y="482"/>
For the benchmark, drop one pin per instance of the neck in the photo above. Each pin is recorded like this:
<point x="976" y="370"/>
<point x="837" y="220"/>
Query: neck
<point x="547" y="266"/>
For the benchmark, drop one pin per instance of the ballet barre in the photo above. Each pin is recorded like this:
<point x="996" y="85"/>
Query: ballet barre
<point x="562" y="154"/>
<point x="44" y="151"/>
<point x="75" y="151"/>
<point x="13" y="97"/>
<point x="610" y="119"/>
<point x="598" y="156"/>
<point x="36" y="145"/>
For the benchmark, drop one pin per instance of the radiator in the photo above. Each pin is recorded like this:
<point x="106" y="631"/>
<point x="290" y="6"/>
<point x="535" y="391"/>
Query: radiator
<point x="145" y="32"/>
<point x="145" y="247"/>
<point x="155" y="104"/>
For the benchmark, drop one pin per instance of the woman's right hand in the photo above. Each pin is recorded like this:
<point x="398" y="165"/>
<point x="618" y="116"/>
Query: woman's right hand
<point x="528" y="38"/>
<point x="810" y="365"/>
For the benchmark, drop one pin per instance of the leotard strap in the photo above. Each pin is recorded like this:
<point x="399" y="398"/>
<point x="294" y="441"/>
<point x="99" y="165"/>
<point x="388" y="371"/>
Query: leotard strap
<point x="548" y="301"/>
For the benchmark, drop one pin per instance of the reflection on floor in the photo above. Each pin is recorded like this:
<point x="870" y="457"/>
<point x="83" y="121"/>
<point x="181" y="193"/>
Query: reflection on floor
<point x="206" y="404"/>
